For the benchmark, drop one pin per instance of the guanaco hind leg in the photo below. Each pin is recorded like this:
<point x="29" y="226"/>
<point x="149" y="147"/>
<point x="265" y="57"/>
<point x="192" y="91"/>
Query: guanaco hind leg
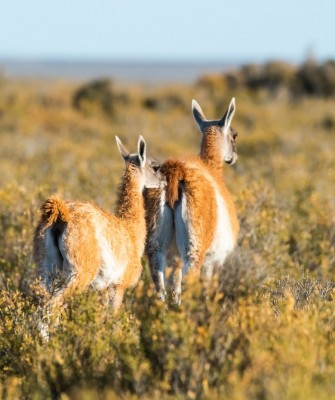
<point x="158" y="247"/>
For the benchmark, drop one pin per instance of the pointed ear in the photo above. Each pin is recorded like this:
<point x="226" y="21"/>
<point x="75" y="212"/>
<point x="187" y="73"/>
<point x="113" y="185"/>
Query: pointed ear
<point x="198" y="114"/>
<point x="228" y="117"/>
<point x="142" y="149"/>
<point x="123" y="151"/>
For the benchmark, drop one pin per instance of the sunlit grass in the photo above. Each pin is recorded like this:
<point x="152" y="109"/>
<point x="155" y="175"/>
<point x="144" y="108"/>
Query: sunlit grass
<point x="263" y="329"/>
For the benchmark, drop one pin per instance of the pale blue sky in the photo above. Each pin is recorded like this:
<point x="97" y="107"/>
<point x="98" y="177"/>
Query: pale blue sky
<point x="167" y="30"/>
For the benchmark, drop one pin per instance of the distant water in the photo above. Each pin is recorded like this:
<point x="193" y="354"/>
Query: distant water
<point x="142" y="72"/>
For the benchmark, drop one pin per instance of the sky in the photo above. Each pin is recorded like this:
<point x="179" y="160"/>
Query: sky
<point x="173" y="30"/>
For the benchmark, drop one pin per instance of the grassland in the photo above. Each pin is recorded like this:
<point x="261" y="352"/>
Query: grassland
<point x="263" y="329"/>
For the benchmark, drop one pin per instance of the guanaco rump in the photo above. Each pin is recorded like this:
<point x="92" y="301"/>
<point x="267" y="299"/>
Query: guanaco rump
<point x="77" y="244"/>
<point x="192" y="222"/>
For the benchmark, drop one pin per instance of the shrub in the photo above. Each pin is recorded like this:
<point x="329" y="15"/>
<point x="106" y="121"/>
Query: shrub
<point x="164" y="103"/>
<point x="314" y="79"/>
<point x="96" y="96"/>
<point x="309" y="79"/>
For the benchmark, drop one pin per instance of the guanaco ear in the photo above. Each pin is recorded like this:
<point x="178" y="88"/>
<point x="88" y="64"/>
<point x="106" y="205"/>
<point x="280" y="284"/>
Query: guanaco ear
<point x="142" y="149"/>
<point x="228" y="117"/>
<point x="123" y="151"/>
<point x="198" y="114"/>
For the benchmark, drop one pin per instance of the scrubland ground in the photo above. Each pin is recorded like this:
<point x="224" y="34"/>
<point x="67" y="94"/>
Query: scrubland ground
<point x="262" y="329"/>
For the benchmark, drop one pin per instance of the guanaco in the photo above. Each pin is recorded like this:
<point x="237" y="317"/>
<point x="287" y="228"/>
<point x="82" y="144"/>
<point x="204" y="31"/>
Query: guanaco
<point x="192" y="222"/>
<point x="79" y="245"/>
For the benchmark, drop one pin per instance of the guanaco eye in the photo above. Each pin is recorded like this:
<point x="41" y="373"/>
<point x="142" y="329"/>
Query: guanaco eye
<point x="156" y="167"/>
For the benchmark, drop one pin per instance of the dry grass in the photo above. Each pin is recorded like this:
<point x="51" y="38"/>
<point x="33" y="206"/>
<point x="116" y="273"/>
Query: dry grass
<point x="263" y="329"/>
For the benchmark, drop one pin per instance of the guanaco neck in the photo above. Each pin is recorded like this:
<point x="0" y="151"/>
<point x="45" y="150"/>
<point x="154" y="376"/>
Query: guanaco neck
<point x="210" y="152"/>
<point x="130" y="204"/>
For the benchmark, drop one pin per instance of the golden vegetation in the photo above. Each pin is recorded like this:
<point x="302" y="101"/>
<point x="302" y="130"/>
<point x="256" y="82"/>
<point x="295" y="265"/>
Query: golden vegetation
<point x="263" y="329"/>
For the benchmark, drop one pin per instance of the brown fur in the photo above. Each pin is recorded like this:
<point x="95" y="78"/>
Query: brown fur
<point x="209" y="153"/>
<point x="174" y="174"/>
<point x="54" y="209"/>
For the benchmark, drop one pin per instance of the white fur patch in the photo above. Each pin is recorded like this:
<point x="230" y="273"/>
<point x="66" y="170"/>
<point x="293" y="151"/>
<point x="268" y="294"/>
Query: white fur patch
<point x="223" y="240"/>
<point x="110" y="271"/>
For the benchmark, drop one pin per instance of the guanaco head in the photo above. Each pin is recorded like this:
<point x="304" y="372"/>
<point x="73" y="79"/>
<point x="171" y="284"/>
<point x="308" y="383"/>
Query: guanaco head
<point x="221" y="128"/>
<point x="147" y="168"/>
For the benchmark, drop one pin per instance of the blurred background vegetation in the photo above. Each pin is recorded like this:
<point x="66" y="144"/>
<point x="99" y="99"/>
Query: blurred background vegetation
<point x="264" y="328"/>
